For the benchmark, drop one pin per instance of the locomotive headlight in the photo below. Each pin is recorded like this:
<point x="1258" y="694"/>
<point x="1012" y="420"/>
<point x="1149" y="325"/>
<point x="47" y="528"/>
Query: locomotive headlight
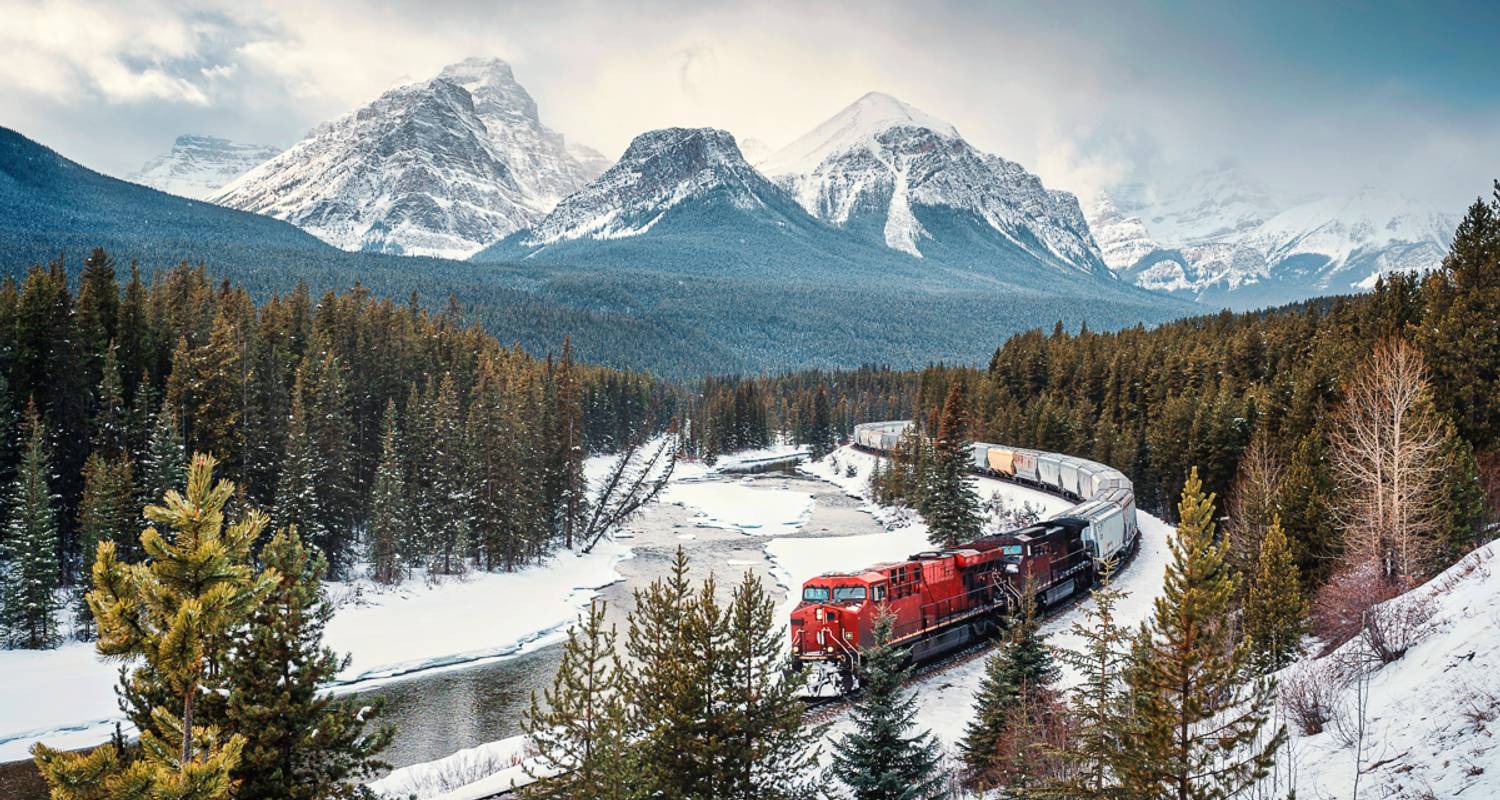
<point x="849" y="635"/>
<point x="818" y="614"/>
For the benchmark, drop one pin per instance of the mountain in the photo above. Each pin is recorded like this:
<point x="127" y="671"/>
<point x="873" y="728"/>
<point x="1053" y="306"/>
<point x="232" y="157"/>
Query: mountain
<point x="198" y="166"/>
<point x="440" y="167"/>
<point x="901" y="177"/>
<point x="675" y="198"/>
<point x="1223" y="241"/>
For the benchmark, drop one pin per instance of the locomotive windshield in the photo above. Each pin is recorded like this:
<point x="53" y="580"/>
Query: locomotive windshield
<point x="816" y="594"/>
<point x="1011" y="550"/>
<point x="846" y="593"/>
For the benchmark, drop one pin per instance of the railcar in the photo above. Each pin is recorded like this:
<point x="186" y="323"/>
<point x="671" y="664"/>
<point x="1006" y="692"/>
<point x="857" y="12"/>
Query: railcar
<point x="941" y="600"/>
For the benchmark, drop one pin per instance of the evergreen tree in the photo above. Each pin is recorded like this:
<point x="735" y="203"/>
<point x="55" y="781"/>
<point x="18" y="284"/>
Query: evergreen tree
<point x="165" y="459"/>
<point x="578" y="726"/>
<point x="882" y="759"/>
<point x="166" y="612"/>
<point x="111" y="431"/>
<point x="821" y="435"/>
<point x="572" y="501"/>
<point x="1196" y="730"/>
<point x="769" y="751"/>
<point x="301" y="743"/>
<point x="106" y="514"/>
<point x="667" y="694"/>
<point x="31" y="558"/>
<point x="1019" y="676"/>
<point x="952" y="507"/>
<point x="1275" y="610"/>
<point x="449" y="526"/>
<point x="298" y="502"/>
<point x="1098" y="708"/>
<point x="330" y="435"/>
<point x="389" y="520"/>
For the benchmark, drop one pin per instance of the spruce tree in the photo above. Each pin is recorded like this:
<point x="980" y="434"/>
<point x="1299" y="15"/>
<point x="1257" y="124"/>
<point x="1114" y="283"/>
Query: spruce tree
<point x="768" y="749"/>
<point x="1019" y="676"/>
<point x="301" y="743"/>
<point x="1098" y="707"/>
<point x="111" y="433"/>
<point x="882" y="758"/>
<point x="389" y="520"/>
<point x="163" y="615"/>
<point x="165" y="459"/>
<point x="31" y="559"/>
<point x="578" y="726"/>
<point x="107" y="513"/>
<point x="1197" y="724"/>
<point x="666" y="693"/>
<point x="1275" y="610"/>
<point x="952" y="507"/>
<point x="298" y="503"/>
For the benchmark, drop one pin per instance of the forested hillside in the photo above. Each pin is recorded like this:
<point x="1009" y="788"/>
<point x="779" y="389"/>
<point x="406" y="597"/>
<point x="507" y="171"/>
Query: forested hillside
<point x="382" y="430"/>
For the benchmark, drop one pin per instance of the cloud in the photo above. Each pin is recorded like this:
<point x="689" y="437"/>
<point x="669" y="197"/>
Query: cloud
<point x="70" y="49"/>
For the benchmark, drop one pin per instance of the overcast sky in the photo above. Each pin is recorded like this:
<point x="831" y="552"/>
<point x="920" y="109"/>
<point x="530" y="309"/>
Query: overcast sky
<point x="1305" y="97"/>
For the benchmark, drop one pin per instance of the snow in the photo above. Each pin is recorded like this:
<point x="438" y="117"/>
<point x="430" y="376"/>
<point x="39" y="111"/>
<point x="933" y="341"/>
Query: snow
<point x="882" y="157"/>
<point x="441" y="167"/>
<point x="742" y="506"/>
<point x="471" y="774"/>
<point x="197" y="166"/>
<point x="857" y="124"/>
<point x="416" y="627"/>
<point x="1426" y="710"/>
<point x="387" y="632"/>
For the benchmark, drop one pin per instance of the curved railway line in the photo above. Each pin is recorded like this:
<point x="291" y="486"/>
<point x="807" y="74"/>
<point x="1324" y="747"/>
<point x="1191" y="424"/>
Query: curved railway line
<point x="1102" y="519"/>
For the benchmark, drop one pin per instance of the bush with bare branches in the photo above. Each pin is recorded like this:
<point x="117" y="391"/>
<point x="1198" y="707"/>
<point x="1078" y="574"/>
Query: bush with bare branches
<point x="1309" y="695"/>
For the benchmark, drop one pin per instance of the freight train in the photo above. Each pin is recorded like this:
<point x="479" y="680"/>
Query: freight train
<point x="941" y="600"/>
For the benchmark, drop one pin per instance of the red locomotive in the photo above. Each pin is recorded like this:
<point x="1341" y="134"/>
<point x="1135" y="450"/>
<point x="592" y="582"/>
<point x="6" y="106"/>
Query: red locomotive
<point x="941" y="600"/>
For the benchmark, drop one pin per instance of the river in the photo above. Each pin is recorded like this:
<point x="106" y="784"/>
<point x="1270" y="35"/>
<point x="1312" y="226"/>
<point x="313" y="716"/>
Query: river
<point x="440" y="712"/>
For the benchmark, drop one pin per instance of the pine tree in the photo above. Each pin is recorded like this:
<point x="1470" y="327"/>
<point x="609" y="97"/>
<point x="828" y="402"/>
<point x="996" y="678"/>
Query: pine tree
<point x="1275" y="610"/>
<point x="578" y="726"/>
<point x="952" y="507"/>
<point x="389" y="520"/>
<point x="111" y="422"/>
<point x="31" y="540"/>
<point x="330" y="435"/>
<point x="821" y="434"/>
<point x="1196" y="731"/>
<point x="572" y="505"/>
<point x="166" y="612"/>
<point x="1098" y="708"/>
<point x="301" y="743"/>
<point x="449" y="527"/>
<point x="1018" y="676"/>
<point x="769" y="751"/>
<point x="106" y="514"/>
<point x="882" y="759"/>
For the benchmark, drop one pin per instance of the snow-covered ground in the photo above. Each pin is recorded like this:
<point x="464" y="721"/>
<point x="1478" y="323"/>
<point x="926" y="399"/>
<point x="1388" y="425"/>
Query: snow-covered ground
<point x="387" y="632"/>
<point x="1434" y="714"/>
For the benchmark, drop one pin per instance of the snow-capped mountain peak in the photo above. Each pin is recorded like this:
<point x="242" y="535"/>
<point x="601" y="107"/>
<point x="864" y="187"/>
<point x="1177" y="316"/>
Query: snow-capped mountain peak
<point x="660" y="170"/>
<point x="860" y="123"/>
<point x="197" y="166"/>
<point x="882" y="165"/>
<point x="438" y="167"/>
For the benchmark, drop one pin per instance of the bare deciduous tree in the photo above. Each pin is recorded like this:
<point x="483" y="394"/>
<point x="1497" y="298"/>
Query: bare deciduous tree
<point x="1251" y="504"/>
<point x="1387" y="455"/>
<point x="639" y="474"/>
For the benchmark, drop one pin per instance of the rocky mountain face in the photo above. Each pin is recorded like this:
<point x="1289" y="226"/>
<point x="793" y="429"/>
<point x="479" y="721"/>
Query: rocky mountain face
<point x="197" y="166"/>
<point x="899" y="175"/>
<point x="440" y="167"/>
<point x="1222" y="240"/>
<point x="661" y="170"/>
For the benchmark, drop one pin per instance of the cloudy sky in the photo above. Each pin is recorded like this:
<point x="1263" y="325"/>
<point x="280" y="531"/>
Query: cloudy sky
<point x="1327" y="97"/>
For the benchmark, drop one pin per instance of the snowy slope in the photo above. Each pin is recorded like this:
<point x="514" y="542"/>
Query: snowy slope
<point x="659" y="171"/>
<point x="198" y="166"/>
<point x="1434" y="714"/>
<point x="440" y="167"/>
<point x="884" y="166"/>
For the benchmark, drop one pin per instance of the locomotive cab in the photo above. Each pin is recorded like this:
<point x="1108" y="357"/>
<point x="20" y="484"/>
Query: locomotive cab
<point x="833" y="621"/>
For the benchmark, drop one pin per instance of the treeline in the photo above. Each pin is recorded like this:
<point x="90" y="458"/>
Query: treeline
<point x="816" y="408"/>
<point x="378" y="428"/>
